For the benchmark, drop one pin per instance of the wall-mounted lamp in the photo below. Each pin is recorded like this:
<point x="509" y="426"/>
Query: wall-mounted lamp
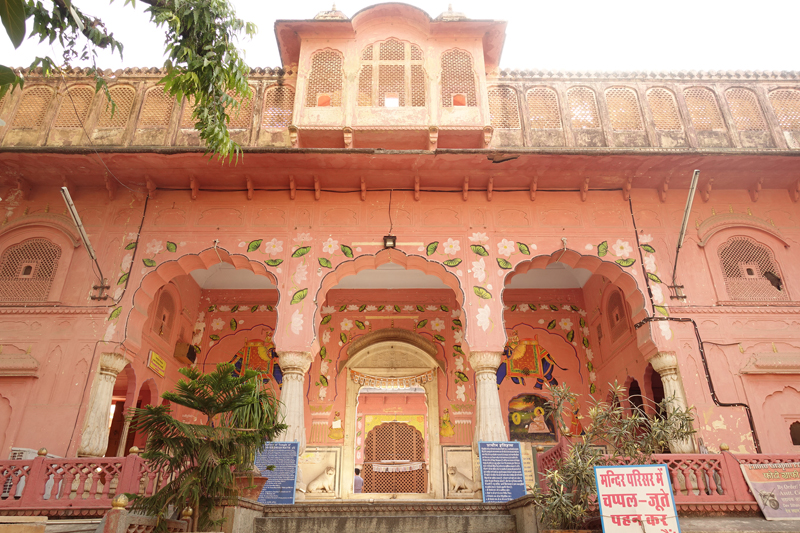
<point x="389" y="241"/>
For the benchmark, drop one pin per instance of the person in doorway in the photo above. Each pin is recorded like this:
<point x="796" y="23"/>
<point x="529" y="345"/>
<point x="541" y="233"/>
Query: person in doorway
<point x="358" y="482"/>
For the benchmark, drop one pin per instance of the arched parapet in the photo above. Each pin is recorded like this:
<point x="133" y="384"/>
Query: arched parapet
<point x="59" y="223"/>
<point x="713" y="225"/>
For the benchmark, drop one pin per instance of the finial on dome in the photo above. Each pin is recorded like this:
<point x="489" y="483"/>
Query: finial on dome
<point x="451" y="15"/>
<point x="333" y="14"/>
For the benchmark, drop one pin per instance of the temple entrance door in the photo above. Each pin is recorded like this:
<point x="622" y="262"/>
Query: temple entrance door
<point x="394" y="459"/>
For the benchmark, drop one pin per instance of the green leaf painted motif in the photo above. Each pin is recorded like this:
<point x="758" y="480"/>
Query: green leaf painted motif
<point x="234" y="309"/>
<point x="551" y="325"/>
<point x="300" y="252"/>
<point x="571" y="335"/>
<point x="479" y="249"/>
<point x="602" y="249"/>
<point x="589" y="366"/>
<point x="625" y="262"/>
<point x="653" y="277"/>
<point x="131" y="245"/>
<point x="422" y="324"/>
<point x="444" y="308"/>
<point x="346" y="250"/>
<point x="212" y="308"/>
<point x="504" y="263"/>
<point x="452" y="262"/>
<point x="343" y="308"/>
<point x="326" y="319"/>
<point x="214" y="337"/>
<point x="439" y="338"/>
<point x="343" y="337"/>
<point x="582" y="322"/>
<point x="431" y="248"/>
<point x="396" y="308"/>
<point x="585" y="342"/>
<point x="254" y="245"/>
<point x="197" y="349"/>
<point x="592" y="388"/>
<point x="234" y="324"/>
<point x="480" y="292"/>
<point x="270" y="308"/>
<point x="254" y="308"/>
<point x="553" y="307"/>
<point x="298" y="296"/>
<point x="532" y="307"/>
<point x="420" y="308"/>
<point x="381" y="307"/>
<point x="172" y="247"/>
<point x="523" y="248"/>
<point x="273" y="262"/>
<point x="122" y="279"/>
<point x="649" y="249"/>
<point x="362" y="308"/>
<point x="323" y="380"/>
<point x="456" y="322"/>
<point x="360" y="325"/>
<point x="115" y="313"/>
<point x="575" y="308"/>
<point x="325" y="262"/>
<point x="149" y="262"/>
<point x="458" y="349"/>
<point x="661" y="309"/>
<point x="323" y="352"/>
<point x="462" y="376"/>
<point x="513" y="307"/>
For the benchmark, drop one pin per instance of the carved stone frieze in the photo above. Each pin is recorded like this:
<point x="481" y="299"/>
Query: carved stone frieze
<point x="773" y="363"/>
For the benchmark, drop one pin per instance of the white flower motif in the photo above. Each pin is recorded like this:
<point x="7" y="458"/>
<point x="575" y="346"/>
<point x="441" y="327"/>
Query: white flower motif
<point x="346" y="324"/>
<point x="533" y="247"/>
<point x="565" y="324"/>
<point x="479" y="270"/>
<point x="451" y="246"/>
<point x="302" y="237"/>
<point x="666" y="332"/>
<point x="262" y="308"/>
<point x="388" y="308"/>
<point x="658" y="295"/>
<point x="118" y="293"/>
<point x="323" y="391"/>
<point x="650" y="263"/>
<point x="489" y="286"/>
<point x="154" y="246"/>
<point x="330" y="246"/>
<point x="328" y="309"/>
<point x="201" y="316"/>
<point x="372" y="308"/>
<point x="460" y="396"/>
<point x="432" y="308"/>
<point x="455" y="313"/>
<point x="273" y="247"/>
<point x="541" y="321"/>
<point x="326" y="336"/>
<point x="437" y="324"/>
<point x="301" y="273"/>
<point x="352" y="307"/>
<point x="110" y="330"/>
<point x="408" y="308"/>
<point x="212" y="343"/>
<point x="224" y="308"/>
<point x="459" y="273"/>
<point x="524" y="308"/>
<point x="133" y="236"/>
<point x="480" y="238"/>
<point x="217" y="324"/>
<point x="592" y="377"/>
<point x="126" y="262"/>
<point x="505" y="247"/>
<point x="323" y="368"/>
<point x="459" y="363"/>
<point x="421" y="249"/>
<point x="566" y="307"/>
<point x="582" y="312"/>
<point x="358" y="248"/>
<point x="242" y="244"/>
<point x="622" y="248"/>
<point x="482" y="317"/>
<point x="458" y="336"/>
<point x="501" y="273"/>
<point x="589" y="247"/>
<point x="589" y="354"/>
<point x="297" y="322"/>
<point x="585" y="332"/>
<point x="644" y="239"/>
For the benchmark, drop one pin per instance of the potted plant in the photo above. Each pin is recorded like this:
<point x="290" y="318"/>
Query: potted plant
<point x="630" y="436"/>
<point x="200" y="460"/>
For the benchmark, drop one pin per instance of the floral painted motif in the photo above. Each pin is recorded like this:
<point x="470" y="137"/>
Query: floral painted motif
<point x="297" y="322"/>
<point x="565" y="324"/>
<point x="479" y="238"/>
<point x="622" y="249"/>
<point x="346" y="324"/>
<point x="482" y="317"/>
<point x="451" y="247"/>
<point x="155" y="246"/>
<point x="437" y="324"/>
<point x="273" y="247"/>
<point x="460" y="393"/>
<point x="217" y="324"/>
<point x="505" y="247"/>
<point x="479" y="270"/>
<point x="330" y="246"/>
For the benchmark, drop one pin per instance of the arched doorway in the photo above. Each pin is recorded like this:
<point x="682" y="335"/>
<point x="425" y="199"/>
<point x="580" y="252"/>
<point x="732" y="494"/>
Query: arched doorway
<point x="394" y="459"/>
<point x="121" y="400"/>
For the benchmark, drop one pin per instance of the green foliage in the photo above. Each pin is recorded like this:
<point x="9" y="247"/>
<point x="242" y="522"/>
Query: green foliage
<point x="200" y="460"/>
<point x="631" y="436"/>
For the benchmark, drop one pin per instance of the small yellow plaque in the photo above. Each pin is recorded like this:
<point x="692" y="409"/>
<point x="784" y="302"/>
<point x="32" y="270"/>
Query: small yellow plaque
<point x="156" y="363"/>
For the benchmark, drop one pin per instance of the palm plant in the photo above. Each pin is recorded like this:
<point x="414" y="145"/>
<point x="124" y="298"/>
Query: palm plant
<point x="629" y="435"/>
<point x="200" y="460"/>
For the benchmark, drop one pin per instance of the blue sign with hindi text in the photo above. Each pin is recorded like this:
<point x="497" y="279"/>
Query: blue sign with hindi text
<point x="281" y="481"/>
<point x="502" y="476"/>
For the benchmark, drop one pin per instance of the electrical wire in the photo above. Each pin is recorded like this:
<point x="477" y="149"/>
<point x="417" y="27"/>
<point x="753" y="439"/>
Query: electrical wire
<point x="391" y="223"/>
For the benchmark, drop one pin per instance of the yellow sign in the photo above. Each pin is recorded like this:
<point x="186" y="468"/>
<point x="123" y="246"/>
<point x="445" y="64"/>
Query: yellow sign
<point x="156" y="363"/>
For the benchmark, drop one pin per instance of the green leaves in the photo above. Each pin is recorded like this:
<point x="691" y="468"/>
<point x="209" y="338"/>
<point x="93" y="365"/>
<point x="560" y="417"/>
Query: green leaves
<point x="214" y="337"/>
<point x="625" y="262"/>
<point x="122" y="279"/>
<point x="254" y="245"/>
<point x="654" y="278"/>
<point x="359" y="324"/>
<point x="300" y="252"/>
<point x="585" y="342"/>
<point x="479" y="249"/>
<point x="602" y="249"/>
<point x="647" y="248"/>
<point x="233" y="324"/>
<point x="343" y="337"/>
<point x="130" y="245"/>
<point x="551" y="325"/>
<point x="235" y="309"/>
<point x="172" y="247"/>
<point x="439" y="338"/>
<point x="457" y="322"/>
<point x="254" y="308"/>
<point x="346" y="250"/>
<point x="212" y="308"/>
<point x="523" y="248"/>
<point x="298" y="296"/>
<point x="273" y="262"/>
<point x="452" y="262"/>
<point x="420" y="308"/>
<point x="12" y="12"/>
<point x="422" y="324"/>
<point x="149" y="262"/>
<point x="571" y="335"/>
<point x="462" y="376"/>
<point x="325" y="320"/>
<point x="323" y="380"/>
<point x="324" y="262"/>
<point x="661" y="309"/>
<point x="431" y="248"/>
<point x="115" y="313"/>
<point x="323" y="352"/>
<point x="458" y="349"/>
<point x="504" y="263"/>
<point x="480" y="292"/>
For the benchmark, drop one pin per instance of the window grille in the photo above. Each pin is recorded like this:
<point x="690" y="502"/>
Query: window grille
<point x="123" y="98"/>
<point x="187" y="121"/>
<point x="458" y="77"/>
<point x="417" y="85"/>
<point x="583" y="107"/>
<point x="504" y="108"/>
<point x="27" y="270"/>
<point x="746" y="112"/>
<point x="396" y="73"/>
<point x="157" y="109"/>
<point x="543" y="109"/>
<point x="74" y="108"/>
<point x="786" y="103"/>
<point x="394" y="441"/>
<point x="32" y="108"/>
<point x="617" y="317"/>
<point x="278" y="107"/>
<point x="366" y="54"/>
<point x="242" y="115"/>
<point x="365" y="85"/>
<point x="750" y="271"/>
<point x="391" y="79"/>
<point x="325" y="78"/>
<point x="703" y="109"/>
<point x="665" y="111"/>
<point x="391" y="50"/>
<point x="623" y="109"/>
<point x="416" y="53"/>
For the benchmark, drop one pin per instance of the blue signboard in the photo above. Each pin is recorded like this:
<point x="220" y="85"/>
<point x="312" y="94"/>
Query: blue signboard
<point x="502" y="476"/>
<point x="281" y="481"/>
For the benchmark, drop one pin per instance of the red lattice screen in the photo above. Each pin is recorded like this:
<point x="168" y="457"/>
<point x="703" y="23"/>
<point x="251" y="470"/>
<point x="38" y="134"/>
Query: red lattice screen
<point x="458" y="77"/>
<point x="27" y="271"/>
<point x="394" y="441"/>
<point x="665" y="112"/>
<point x="786" y="103"/>
<point x="703" y="109"/>
<point x="750" y="270"/>
<point x="32" y="108"/>
<point x="74" y="108"/>
<point x="123" y="97"/>
<point x="583" y="107"/>
<point x="745" y="110"/>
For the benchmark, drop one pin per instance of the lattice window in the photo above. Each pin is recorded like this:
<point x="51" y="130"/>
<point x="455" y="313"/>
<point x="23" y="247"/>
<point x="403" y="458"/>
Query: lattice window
<point x="703" y="109"/>
<point x="165" y="315"/>
<point x="750" y="271"/>
<point x="27" y="270"/>
<point x="74" y="108"/>
<point x="391" y="50"/>
<point x="32" y="108"/>
<point x="416" y="53"/>
<point x="394" y="441"/>
<point x="187" y="121"/>
<point x="665" y="111"/>
<point x="366" y="53"/>
<point x="616" y="316"/>
<point x="583" y="107"/>
<point x="504" y="108"/>
<point x="543" y="109"/>
<point x="157" y="109"/>
<point x="786" y="103"/>
<point x="417" y="84"/>
<point x="365" y="85"/>
<point x="123" y="98"/>
<point x="391" y="81"/>
<point x="746" y="112"/>
<point x="278" y="107"/>
<point x="325" y="79"/>
<point x="388" y="79"/>
<point x="458" y="79"/>
<point x="623" y="109"/>
<point x="242" y="115"/>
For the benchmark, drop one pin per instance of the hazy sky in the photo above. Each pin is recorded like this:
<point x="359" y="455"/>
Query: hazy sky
<point x="570" y="35"/>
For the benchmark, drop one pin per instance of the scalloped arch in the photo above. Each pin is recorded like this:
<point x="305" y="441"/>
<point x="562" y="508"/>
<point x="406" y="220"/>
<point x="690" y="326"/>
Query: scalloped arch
<point x="57" y="222"/>
<point x="713" y="225"/>
<point x="165" y="272"/>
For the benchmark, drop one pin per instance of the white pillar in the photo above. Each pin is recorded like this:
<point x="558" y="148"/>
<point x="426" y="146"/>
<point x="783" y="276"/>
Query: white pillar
<point x="489" y="424"/>
<point x="94" y="437"/>
<point x="294" y="366"/>
<point x="666" y="364"/>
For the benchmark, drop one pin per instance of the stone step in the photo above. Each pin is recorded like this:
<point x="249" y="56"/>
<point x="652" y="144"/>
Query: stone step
<point x="408" y="523"/>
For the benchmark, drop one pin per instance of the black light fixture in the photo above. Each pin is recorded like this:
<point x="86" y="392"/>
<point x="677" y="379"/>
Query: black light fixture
<point x="389" y="241"/>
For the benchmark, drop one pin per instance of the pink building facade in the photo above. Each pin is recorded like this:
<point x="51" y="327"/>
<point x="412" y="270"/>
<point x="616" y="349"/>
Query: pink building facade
<point x="536" y="216"/>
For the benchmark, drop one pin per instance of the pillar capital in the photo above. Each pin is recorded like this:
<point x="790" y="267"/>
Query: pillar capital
<point x="94" y="437"/>
<point x="295" y="362"/>
<point x="665" y="363"/>
<point x="112" y="363"/>
<point x="483" y="361"/>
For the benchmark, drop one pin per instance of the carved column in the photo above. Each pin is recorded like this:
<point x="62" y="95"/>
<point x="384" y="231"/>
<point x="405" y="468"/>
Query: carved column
<point x="94" y="437"/>
<point x="489" y="416"/>
<point x="666" y="364"/>
<point x="294" y="366"/>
